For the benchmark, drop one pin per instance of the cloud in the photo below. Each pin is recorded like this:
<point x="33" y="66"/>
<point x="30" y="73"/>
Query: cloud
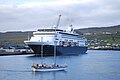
<point x="80" y="13"/>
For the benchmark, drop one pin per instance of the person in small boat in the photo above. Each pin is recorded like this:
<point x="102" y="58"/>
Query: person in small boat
<point x="57" y="65"/>
<point x="37" y="65"/>
<point x="42" y="66"/>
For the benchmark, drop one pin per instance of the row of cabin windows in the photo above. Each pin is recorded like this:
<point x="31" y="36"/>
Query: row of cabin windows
<point x="64" y="43"/>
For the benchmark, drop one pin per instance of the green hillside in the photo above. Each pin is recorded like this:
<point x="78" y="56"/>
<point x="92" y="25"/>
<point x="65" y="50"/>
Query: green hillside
<point x="111" y="34"/>
<point x="13" y="38"/>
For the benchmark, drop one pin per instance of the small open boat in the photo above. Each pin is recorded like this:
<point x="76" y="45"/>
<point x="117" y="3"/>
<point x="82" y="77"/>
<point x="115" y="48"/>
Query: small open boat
<point x="44" y="68"/>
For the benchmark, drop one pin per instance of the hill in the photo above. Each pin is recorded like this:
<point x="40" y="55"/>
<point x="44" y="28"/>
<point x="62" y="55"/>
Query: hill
<point x="14" y="38"/>
<point x="111" y="29"/>
<point x="110" y="34"/>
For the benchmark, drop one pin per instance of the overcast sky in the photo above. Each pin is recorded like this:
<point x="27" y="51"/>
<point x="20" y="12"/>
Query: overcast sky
<point x="23" y="15"/>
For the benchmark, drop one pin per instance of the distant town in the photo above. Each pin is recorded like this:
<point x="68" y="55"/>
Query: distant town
<point x="102" y="45"/>
<point x="103" y="38"/>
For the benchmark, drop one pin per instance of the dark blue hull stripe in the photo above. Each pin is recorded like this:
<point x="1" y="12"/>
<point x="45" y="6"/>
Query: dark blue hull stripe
<point x="60" y="50"/>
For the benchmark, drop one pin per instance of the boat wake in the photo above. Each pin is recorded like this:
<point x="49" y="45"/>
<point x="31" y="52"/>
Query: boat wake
<point x="15" y="70"/>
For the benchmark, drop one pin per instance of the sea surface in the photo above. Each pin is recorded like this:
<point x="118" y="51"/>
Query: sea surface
<point x="95" y="65"/>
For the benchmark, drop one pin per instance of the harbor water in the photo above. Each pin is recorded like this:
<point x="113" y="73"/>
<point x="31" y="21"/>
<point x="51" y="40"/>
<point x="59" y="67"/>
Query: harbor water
<point x="95" y="65"/>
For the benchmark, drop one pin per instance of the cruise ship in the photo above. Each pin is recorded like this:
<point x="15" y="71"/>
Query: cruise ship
<point x="63" y="42"/>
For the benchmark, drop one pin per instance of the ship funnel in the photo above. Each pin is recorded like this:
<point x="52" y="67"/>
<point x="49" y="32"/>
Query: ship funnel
<point x="70" y="28"/>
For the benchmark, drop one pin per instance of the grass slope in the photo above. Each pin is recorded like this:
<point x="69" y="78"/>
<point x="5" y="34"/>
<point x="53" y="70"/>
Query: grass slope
<point x="13" y="38"/>
<point x="102" y="33"/>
